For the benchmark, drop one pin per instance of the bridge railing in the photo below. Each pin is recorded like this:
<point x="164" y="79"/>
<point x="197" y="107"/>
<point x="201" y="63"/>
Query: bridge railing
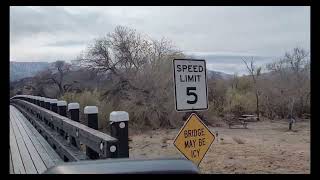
<point x="60" y="126"/>
<point x="59" y="123"/>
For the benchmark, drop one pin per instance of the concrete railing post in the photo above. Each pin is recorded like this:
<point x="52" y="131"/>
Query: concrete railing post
<point x="91" y="113"/>
<point x="62" y="108"/>
<point x="119" y="129"/>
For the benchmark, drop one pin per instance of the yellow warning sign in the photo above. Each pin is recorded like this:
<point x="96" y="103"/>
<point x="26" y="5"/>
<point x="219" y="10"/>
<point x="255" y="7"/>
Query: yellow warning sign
<point x="194" y="139"/>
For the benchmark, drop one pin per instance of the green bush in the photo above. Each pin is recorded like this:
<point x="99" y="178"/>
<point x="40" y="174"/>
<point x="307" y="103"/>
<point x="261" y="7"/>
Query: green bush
<point x="239" y="103"/>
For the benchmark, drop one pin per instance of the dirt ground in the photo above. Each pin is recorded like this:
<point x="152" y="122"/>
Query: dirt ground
<point x="265" y="147"/>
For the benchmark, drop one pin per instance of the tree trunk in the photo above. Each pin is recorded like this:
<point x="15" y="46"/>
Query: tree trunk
<point x="258" y="110"/>
<point x="61" y="92"/>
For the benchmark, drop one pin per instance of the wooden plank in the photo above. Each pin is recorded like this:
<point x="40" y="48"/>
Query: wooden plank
<point x="90" y="137"/>
<point x="68" y="122"/>
<point x="42" y="152"/>
<point x="50" y="157"/>
<point x="16" y="157"/>
<point x="37" y="160"/>
<point x="26" y="158"/>
<point x="53" y="155"/>
<point x="63" y="148"/>
<point x="68" y="150"/>
<point x="11" y="166"/>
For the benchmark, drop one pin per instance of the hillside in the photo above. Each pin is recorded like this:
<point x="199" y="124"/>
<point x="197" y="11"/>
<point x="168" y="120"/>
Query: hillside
<point x="219" y="75"/>
<point x="20" y="70"/>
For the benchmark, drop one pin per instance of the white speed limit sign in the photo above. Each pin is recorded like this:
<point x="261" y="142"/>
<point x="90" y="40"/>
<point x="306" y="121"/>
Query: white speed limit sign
<point x="190" y="79"/>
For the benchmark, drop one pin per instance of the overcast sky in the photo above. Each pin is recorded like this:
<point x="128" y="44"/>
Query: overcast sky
<point x="52" y="33"/>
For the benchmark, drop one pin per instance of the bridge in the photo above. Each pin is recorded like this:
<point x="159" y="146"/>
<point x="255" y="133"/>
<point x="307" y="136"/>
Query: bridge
<point x="46" y="137"/>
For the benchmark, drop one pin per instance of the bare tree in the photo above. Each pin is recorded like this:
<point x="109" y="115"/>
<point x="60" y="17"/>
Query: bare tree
<point x="138" y="71"/>
<point x="292" y="81"/>
<point x="56" y="75"/>
<point x="235" y="81"/>
<point x="124" y="53"/>
<point x="254" y="73"/>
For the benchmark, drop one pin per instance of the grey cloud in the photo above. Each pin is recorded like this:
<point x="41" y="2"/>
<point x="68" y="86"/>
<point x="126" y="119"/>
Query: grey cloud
<point x="67" y="43"/>
<point x="232" y="63"/>
<point x="25" y="21"/>
<point x="261" y="31"/>
<point x="234" y="28"/>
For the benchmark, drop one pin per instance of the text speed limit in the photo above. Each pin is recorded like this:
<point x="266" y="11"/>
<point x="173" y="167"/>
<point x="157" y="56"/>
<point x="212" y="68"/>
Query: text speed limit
<point x="190" y="84"/>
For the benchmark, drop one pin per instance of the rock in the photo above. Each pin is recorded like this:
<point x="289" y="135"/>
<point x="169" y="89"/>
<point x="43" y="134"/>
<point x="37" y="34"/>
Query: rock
<point x="164" y="145"/>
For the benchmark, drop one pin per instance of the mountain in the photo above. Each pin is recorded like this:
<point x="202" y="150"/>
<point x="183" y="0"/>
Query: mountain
<point x="218" y="75"/>
<point x="19" y="70"/>
<point x="230" y="63"/>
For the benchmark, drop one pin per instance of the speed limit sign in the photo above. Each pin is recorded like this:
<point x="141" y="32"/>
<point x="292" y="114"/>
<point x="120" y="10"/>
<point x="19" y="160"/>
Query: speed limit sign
<point x="190" y="84"/>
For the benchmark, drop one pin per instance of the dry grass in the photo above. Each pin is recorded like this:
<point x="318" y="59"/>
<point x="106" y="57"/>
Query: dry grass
<point x="226" y="156"/>
<point x="91" y="98"/>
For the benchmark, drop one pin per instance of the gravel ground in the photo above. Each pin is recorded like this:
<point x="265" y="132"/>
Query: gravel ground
<point x="265" y="147"/>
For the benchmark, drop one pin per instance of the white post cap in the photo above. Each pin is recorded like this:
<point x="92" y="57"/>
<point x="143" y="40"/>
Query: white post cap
<point x="61" y="103"/>
<point x="118" y="116"/>
<point x="73" y="106"/>
<point x="46" y="99"/>
<point x="91" y="110"/>
<point x="52" y="101"/>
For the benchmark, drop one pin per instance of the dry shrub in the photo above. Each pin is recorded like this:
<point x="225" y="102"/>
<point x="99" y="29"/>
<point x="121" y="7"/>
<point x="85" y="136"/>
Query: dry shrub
<point x="240" y="102"/>
<point x="91" y="98"/>
<point x="140" y="71"/>
<point x="152" y="105"/>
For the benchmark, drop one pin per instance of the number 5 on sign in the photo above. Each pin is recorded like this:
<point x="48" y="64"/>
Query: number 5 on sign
<point x="190" y="84"/>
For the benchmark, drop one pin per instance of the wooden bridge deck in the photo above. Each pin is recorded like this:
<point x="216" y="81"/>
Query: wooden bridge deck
<point x="30" y="153"/>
